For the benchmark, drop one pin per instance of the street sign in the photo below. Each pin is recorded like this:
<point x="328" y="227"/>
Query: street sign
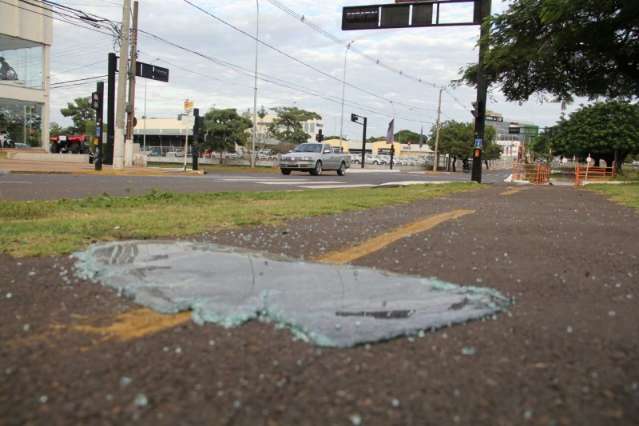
<point x="479" y="143"/>
<point x="152" y="72"/>
<point x="424" y="13"/>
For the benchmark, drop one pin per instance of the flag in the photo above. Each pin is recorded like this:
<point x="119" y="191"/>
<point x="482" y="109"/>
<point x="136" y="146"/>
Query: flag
<point x="421" y="138"/>
<point x="390" y="134"/>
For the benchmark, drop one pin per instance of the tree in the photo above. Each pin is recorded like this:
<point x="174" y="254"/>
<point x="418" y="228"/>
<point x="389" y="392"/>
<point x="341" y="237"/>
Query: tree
<point x="82" y="115"/>
<point x="222" y="129"/>
<point x="287" y="126"/>
<point x="604" y="130"/>
<point x="55" y="129"/>
<point x="457" y="139"/>
<point x="407" y="136"/>
<point x="564" y="48"/>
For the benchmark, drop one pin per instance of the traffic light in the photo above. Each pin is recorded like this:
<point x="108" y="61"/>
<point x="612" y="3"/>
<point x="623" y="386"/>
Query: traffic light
<point x="474" y="110"/>
<point x="95" y="100"/>
<point x="320" y="136"/>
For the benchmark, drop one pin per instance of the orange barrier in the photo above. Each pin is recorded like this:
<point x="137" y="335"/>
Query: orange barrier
<point x="586" y="173"/>
<point x="539" y="173"/>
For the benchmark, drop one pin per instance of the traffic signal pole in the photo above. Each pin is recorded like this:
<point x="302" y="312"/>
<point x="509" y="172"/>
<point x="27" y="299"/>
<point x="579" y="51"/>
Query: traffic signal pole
<point x="99" y="125"/>
<point x="365" y="125"/>
<point x="108" y="150"/>
<point x="482" y="91"/>
<point x="120" y="120"/>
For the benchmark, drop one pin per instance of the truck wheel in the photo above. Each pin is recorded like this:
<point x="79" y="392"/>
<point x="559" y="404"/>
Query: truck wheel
<point x="317" y="170"/>
<point x="342" y="169"/>
<point x="54" y="148"/>
<point x="75" y="148"/>
<point x="286" y="171"/>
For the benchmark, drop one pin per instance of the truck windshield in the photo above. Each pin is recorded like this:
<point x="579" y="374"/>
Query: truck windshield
<point x="309" y="147"/>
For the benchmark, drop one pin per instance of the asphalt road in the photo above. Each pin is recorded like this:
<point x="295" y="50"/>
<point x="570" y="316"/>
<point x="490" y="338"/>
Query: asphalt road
<point x="54" y="186"/>
<point x="565" y="353"/>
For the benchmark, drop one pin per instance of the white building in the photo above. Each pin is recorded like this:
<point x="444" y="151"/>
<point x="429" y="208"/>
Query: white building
<point x="311" y="127"/>
<point x="26" y="35"/>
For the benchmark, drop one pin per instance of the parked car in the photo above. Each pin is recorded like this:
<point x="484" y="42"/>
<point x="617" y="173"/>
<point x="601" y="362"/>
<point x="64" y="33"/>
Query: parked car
<point x="314" y="158"/>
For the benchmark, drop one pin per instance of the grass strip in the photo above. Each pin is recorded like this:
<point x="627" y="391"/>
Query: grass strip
<point x="626" y="194"/>
<point x="220" y="168"/>
<point x="42" y="228"/>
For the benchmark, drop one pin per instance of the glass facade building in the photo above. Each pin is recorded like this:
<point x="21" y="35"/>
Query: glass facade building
<point x="25" y="40"/>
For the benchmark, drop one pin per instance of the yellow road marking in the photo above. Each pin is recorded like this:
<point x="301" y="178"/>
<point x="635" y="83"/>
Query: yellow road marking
<point x="512" y="191"/>
<point x="134" y="324"/>
<point x="374" y="244"/>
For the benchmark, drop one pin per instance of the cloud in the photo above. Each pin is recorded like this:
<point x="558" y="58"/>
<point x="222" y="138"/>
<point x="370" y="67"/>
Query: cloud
<point x="434" y="54"/>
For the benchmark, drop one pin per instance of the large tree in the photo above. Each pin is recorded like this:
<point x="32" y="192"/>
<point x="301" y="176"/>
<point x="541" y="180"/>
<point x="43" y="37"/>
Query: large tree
<point x="564" y="48"/>
<point x="287" y="126"/>
<point x="457" y="139"/>
<point x="82" y="115"/>
<point x="222" y="129"/>
<point x="605" y="130"/>
<point x="408" y="136"/>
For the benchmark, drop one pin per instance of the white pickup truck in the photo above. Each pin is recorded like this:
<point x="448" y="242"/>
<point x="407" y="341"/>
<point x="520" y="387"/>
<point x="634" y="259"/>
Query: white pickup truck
<point x="313" y="158"/>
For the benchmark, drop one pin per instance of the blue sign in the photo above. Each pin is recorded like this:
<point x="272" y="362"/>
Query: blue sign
<point x="479" y="143"/>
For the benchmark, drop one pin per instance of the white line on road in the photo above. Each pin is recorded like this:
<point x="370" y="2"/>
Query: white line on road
<point x="15" y="182"/>
<point x="336" y="186"/>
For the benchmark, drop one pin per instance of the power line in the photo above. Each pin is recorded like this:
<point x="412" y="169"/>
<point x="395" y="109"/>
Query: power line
<point x="299" y="61"/>
<point x="78" y="79"/>
<point x="236" y="68"/>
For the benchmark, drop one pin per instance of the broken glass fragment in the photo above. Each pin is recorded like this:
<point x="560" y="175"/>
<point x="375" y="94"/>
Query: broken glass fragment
<point x="329" y="305"/>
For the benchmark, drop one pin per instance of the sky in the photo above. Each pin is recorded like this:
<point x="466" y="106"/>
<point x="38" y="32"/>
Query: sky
<point x="433" y="54"/>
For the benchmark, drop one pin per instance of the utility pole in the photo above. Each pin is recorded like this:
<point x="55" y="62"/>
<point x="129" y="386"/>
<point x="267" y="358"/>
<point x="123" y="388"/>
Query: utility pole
<point x="145" y="118"/>
<point x="130" y="123"/>
<point x="118" y="142"/>
<point x="437" y="129"/>
<point x="257" y="48"/>
<point x="482" y="90"/>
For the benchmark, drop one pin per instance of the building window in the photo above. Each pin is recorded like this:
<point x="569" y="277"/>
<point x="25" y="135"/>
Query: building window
<point x="20" y="123"/>
<point x="21" y="62"/>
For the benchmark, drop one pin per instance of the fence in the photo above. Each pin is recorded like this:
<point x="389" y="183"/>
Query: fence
<point x="586" y="173"/>
<point x="539" y="173"/>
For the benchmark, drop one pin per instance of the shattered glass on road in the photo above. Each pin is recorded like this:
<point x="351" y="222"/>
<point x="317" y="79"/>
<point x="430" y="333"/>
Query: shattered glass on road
<point x="329" y="305"/>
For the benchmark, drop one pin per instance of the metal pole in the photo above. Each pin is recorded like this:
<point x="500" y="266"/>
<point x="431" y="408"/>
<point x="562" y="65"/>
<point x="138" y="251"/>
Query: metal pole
<point x="341" y="128"/>
<point x="257" y="46"/>
<point x="128" y="149"/>
<point x="186" y="147"/>
<point x="482" y="90"/>
<point x="145" y="117"/>
<point x="99" y="126"/>
<point x="364" y="142"/>
<point x="108" y="152"/>
<point x="437" y="129"/>
<point x="118" y="142"/>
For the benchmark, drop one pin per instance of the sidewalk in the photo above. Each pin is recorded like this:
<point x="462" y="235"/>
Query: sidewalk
<point x="50" y="167"/>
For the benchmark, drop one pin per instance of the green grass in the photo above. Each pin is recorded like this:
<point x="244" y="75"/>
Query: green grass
<point x="626" y="194"/>
<point x="217" y="168"/>
<point x="40" y="228"/>
<point x="628" y="173"/>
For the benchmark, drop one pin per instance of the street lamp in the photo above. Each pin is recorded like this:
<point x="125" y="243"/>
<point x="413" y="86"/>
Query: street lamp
<point x="257" y="45"/>
<point x="341" y="128"/>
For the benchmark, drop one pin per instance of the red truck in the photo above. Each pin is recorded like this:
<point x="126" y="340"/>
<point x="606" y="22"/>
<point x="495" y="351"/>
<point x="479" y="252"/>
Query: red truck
<point x="75" y="144"/>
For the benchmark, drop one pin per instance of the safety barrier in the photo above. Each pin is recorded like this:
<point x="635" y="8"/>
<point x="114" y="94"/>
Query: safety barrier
<point x="538" y="174"/>
<point x="586" y="173"/>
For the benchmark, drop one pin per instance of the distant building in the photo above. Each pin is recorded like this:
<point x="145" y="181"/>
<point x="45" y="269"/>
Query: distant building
<point x="311" y="127"/>
<point x="26" y="35"/>
<point x="381" y="147"/>
<point x="167" y="133"/>
<point x="512" y="136"/>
